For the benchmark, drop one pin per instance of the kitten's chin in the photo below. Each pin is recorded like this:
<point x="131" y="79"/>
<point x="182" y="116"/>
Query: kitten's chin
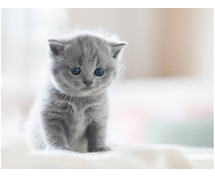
<point x="87" y="92"/>
<point x="81" y="92"/>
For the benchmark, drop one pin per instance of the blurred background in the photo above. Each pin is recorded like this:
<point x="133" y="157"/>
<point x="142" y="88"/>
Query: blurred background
<point x="165" y="95"/>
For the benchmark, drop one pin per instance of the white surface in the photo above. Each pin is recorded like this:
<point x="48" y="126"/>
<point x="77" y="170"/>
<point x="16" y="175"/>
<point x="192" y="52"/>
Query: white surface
<point x="19" y="155"/>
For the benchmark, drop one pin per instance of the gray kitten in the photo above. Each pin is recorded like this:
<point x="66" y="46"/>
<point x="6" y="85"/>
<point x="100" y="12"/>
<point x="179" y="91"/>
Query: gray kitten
<point x="71" y="112"/>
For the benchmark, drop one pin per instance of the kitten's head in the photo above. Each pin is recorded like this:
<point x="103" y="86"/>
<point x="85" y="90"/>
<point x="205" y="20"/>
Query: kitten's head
<point x="85" y="64"/>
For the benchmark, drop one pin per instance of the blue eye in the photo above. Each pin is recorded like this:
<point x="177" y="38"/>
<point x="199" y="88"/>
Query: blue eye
<point x="99" y="72"/>
<point x="76" y="71"/>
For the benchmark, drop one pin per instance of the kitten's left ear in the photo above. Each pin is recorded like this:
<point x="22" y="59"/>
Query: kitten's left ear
<point x="116" y="48"/>
<point x="56" y="47"/>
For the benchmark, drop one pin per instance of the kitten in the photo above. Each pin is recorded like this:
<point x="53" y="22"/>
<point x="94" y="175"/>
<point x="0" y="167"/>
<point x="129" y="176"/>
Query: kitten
<point x="71" y="112"/>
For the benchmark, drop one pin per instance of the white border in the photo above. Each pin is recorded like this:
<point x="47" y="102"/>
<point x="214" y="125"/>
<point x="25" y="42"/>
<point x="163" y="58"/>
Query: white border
<point x="106" y="4"/>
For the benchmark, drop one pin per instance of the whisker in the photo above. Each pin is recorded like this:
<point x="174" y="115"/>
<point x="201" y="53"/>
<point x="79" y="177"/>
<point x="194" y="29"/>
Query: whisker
<point x="62" y="101"/>
<point x="68" y="103"/>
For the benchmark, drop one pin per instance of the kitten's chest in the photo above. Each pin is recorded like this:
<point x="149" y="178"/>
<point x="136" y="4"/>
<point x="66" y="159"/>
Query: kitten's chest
<point x="78" y="119"/>
<point x="79" y="109"/>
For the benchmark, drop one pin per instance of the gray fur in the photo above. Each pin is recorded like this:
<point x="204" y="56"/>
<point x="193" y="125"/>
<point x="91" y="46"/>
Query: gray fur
<point x="68" y="115"/>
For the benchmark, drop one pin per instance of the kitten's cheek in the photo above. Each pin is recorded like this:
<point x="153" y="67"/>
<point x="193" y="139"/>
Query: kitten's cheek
<point x="74" y="86"/>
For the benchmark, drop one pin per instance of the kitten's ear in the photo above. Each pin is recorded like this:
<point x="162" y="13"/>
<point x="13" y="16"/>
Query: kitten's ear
<point x="116" y="48"/>
<point x="56" y="46"/>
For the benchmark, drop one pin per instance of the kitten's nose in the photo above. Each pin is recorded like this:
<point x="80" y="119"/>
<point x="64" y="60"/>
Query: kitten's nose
<point x="88" y="83"/>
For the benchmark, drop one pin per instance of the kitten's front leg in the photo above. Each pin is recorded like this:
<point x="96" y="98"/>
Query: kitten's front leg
<point x="54" y="133"/>
<point x="96" y="133"/>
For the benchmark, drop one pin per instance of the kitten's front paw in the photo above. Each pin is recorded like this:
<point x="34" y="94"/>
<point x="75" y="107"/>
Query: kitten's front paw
<point x="65" y="148"/>
<point x="58" y="148"/>
<point x="98" y="149"/>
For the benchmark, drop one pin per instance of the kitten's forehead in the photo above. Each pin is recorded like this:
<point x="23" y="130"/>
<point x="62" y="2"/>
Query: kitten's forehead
<point x="87" y="49"/>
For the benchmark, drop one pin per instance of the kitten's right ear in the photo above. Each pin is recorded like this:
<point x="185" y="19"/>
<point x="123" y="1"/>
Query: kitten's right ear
<point x="56" y="47"/>
<point x="116" y="48"/>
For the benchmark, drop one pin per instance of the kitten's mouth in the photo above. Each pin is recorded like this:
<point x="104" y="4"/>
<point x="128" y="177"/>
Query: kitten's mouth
<point x="87" y="88"/>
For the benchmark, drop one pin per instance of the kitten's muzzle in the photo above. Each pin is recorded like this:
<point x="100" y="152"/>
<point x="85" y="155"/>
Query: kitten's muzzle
<point x="88" y="83"/>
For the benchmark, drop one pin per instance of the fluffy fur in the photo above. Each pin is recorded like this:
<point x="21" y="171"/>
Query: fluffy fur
<point x="68" y="114"/>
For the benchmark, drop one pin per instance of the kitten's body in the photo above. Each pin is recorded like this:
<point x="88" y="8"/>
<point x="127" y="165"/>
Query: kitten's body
<point x="68" y="114"/>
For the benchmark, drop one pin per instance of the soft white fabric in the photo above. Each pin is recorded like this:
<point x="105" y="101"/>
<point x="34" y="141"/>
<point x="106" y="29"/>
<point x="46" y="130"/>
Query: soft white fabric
<point x="143" y="156"/>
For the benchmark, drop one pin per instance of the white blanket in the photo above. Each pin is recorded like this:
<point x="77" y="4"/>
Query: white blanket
<point x="143" y="156"/>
